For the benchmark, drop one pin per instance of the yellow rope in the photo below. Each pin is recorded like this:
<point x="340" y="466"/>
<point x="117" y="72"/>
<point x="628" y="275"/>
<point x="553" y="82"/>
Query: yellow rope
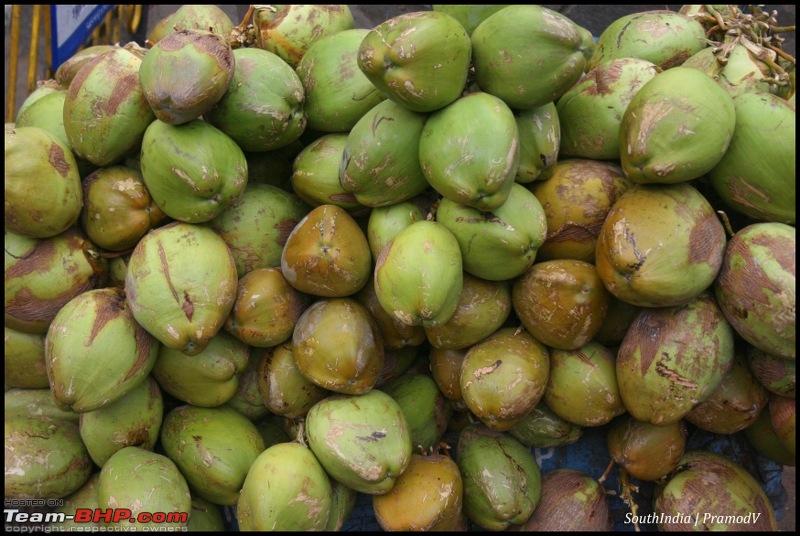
<point x="13" y="63"/>
<point x="33" y="53"/>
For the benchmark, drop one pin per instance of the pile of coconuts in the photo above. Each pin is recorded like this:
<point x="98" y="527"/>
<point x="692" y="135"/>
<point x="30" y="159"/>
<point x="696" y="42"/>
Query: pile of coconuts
<point x="270" y="265"/>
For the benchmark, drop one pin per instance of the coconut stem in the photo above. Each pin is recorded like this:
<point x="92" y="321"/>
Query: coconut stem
<point x="606" y="472"/>
<point x="627" y="491"/>
<point x="783" y="54"/>
<point x="300" y="437"/>
<point x="238" y="35"/>
<point x="718" y="17"/>
<point x="726" y="223"/>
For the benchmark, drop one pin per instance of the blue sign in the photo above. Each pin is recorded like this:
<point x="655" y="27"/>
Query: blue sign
<point x="71" y="26"/>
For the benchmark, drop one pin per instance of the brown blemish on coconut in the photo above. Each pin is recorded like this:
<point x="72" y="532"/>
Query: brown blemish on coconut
<point x="165" y="268"/>
<point x="603" y="77"/>
<point x="707" y="241"/>
<point x="80" y="77"/>
<point x="122" y="89"/>
<point x="58" y="160"/>
<point x="36" y="260"/>
<point x="744" y="193"/>
<point x="673" y="376"/>
<point x="645" y="333"/>
<point x="188" y="306"/>
<point x="284" y="228"/>
<point x="783" y="251"/>
<point x="572" y="232"/>
<point x="483" y="371"/>
<point x="29" y="308"/>
<point x="144" y="342"/>
<point x="675" y="60"/>
<point x="109" y="307"/>
<point x="750" y="281"/>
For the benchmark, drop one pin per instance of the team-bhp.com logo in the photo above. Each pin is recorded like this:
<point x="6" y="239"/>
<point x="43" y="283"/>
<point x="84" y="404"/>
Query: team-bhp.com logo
<point x="19" y="521"/>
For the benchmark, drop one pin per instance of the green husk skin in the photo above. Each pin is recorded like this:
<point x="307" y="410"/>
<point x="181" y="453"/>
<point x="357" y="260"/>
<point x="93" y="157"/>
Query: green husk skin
<point x="286" y="489"/>
<point x="106" y="112"/>
<point x="380" y="164"/>
<point x="590" y="113"/>
<point x="42" y="184"/>
<point x="35" y="403"/>
<point x="206" y="516"/>
<point x="724" y="496"/>
<point x="181" y="285"/>
<point x="315" y="174"/>
<point x="131" y="421"/>
<point x="96" y="352"/>
<point x="262" y="110"/>
<point x="42" y="89"/>
<point x="143" y="481"/>
<point x="186" y="73"/>
<point x="419" y="60"/>
<point x="469" y="151"/>
<point x="425" y="408"/>
<point x="24" y="360"/>
<point x="502" y="482"/>
<point x="44" y="458"/>
<point x="672" y="358"/>
<point x="85" y="497"/>
<point x="385" y="222"/>
<point x="676" y="128"/>
<point x="208" y="379"/>
<point x="337" y="92"/>
<point x="47" y="112"/>
<point x="541" y="428"/>
<point x="755" y="177"/>
<point x="41" y="276"/>
<point x="363" y="441"/>
<point x="500" y="244"/>
<point x="756" y="286"/>
<point x="522" y="39"/>
<point x="662" y="37"/>
<point x="470" y="16"/>
<point x="582" y="385"/>
<point x="419" y="275"/>
<point x="764" y="439"/>
<point x="201" y="17"/>
<point x="199" y="441"/>
<point x="289" y="30"/>
<point x="540" y="139"/>
<point x="193" y="171"/>
<point x="256" y="225"/>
